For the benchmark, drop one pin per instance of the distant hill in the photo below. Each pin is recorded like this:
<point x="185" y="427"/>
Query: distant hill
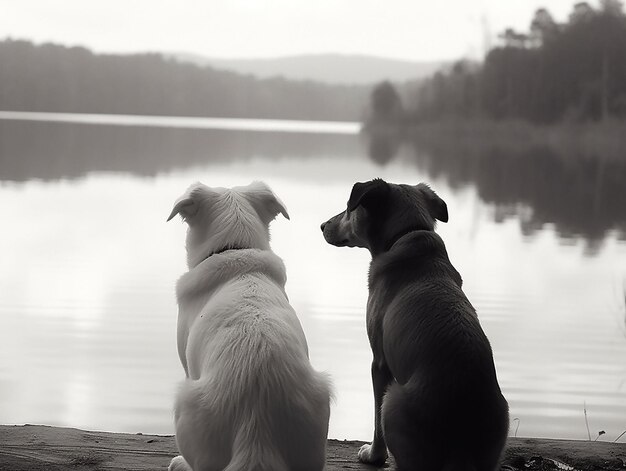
<point x="55" y="78"/>
<point x="328" y="68"/>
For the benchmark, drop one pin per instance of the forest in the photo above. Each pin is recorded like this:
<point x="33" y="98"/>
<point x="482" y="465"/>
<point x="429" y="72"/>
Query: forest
<point x="553" y="73"/>
<point x="56" y="78"/>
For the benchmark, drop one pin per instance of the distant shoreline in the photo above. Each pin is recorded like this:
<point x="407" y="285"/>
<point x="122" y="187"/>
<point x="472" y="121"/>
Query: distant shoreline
<point x="602" y="139"/>
<point x="189" y="122"/>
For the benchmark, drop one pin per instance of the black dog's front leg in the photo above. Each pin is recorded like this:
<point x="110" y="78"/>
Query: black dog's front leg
<point x="376" y="452"/>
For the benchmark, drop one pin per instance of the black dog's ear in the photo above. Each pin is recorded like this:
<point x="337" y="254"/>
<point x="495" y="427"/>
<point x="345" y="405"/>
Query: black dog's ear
<point x="362" y="193"/>
<point x="436" y="206"/>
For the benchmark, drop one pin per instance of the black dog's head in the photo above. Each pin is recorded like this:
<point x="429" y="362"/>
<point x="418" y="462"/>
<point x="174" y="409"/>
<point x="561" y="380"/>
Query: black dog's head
<point x="379" y="213"/>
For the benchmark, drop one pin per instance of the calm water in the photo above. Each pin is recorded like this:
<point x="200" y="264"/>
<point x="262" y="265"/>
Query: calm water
<point x="88" y="267"/>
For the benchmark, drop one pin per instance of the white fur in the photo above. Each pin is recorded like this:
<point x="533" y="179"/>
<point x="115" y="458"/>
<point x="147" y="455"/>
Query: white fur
<point x="251" y="400"/>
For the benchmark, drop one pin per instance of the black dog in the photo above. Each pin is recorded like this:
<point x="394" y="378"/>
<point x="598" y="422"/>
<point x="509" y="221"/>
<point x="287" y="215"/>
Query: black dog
<point x="433" y="370"/>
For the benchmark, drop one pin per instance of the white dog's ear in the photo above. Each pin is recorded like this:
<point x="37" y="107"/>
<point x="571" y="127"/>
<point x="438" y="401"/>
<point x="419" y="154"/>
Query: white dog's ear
<point x="265" y="202"/>
<point x="186" y="205"/>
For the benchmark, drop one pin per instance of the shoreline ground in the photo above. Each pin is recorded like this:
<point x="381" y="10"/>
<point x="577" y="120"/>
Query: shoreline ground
<point x="38" y="448"/>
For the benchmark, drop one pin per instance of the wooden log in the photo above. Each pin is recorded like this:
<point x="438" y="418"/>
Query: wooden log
<point x="37" y="447"/>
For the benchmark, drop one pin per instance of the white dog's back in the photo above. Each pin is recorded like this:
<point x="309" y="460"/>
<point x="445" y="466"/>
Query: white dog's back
<point x="251" y="400"/>
<point x="251" y="387"/>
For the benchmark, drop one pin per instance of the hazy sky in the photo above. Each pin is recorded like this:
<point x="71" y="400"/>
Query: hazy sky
<point x="407" y="29"/>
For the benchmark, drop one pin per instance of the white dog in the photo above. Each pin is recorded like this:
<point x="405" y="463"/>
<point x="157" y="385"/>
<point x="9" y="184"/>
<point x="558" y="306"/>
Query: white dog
<point x="251" y="400"/>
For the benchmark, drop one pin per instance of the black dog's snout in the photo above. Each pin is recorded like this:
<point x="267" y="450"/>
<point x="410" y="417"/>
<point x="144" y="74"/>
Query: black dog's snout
<point x="323" y="225"/>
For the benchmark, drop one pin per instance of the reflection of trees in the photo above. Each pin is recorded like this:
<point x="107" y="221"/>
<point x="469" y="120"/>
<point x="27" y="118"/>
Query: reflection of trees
<point x="52" y="151"/>
<point x="581" y="196"/>
<point x="383" y="143"/>
<point x="383" y="127"/>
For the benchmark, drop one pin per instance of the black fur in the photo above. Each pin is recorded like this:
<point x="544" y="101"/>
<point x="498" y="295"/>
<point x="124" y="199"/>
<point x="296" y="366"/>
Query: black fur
<point x="433" y="372"/>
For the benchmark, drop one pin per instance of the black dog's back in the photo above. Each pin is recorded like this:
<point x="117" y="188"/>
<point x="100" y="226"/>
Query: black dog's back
<point x="445" y="409"/>
<point x="437" y="402"/>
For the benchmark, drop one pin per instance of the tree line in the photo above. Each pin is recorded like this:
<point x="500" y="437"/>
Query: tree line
<point x="56" y="78"/>
<point x="575" y="71"/>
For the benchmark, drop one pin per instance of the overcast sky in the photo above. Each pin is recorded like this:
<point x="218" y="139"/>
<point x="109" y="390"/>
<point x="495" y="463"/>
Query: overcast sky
<point x="405" y="29"/>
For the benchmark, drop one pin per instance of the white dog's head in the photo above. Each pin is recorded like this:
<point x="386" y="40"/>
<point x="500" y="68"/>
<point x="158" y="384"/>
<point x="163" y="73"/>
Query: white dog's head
<point x="226" y="218"/>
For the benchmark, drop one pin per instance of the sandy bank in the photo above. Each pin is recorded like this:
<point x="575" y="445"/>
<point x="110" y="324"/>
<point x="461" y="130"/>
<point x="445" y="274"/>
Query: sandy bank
<point x="36" y="447"/>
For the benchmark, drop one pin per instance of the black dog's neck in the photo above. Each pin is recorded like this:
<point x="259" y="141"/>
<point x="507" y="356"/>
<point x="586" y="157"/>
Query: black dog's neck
<point x="400" y="235"/>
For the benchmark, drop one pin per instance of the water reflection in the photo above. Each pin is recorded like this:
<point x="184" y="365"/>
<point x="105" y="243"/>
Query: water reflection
<point x="383" y="144"/>
<point x="581" y="197"/>
<point x="53" y="151"/>
<point x="88" y="270"/>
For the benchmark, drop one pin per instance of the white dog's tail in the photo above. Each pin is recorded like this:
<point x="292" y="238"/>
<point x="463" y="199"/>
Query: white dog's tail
<point x="251" y="452"/>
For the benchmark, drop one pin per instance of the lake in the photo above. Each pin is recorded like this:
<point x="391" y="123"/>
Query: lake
<point x="88" y="266"/>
